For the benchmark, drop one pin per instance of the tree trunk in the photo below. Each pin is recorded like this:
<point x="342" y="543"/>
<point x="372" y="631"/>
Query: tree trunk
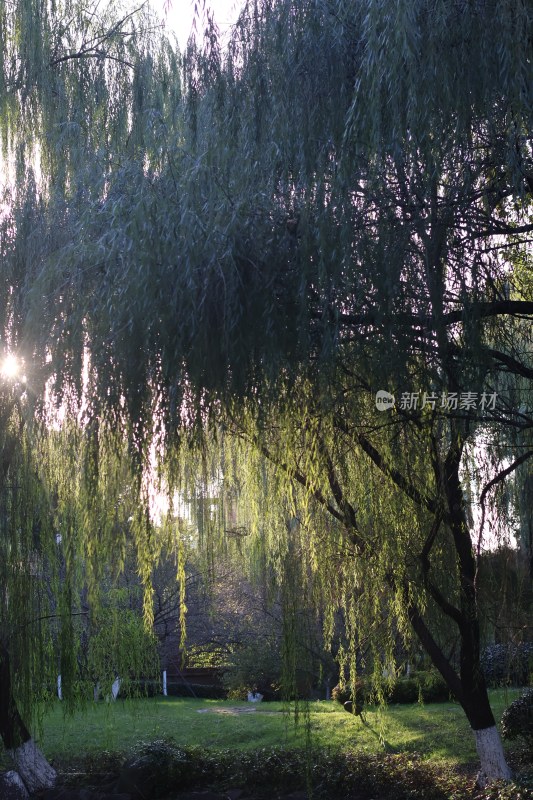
<point x="467" y="684"/>
<point x="33" y="767"/>
<point x="493" y="766"/>
<point x="475" y="698"/>
<point x="470" y="691"/>
<point x="30" y="762"/>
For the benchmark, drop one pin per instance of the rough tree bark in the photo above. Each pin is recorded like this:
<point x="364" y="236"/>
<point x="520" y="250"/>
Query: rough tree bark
<point x="30" y="762"/>
<point x="468" y="684"/>
<point x="470" y="690"/>
<point x="475" y="699"/>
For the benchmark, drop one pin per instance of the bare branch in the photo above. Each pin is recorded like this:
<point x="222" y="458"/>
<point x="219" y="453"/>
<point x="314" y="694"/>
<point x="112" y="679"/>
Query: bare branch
<point x="513" y="365"/>
<point x="486" y="489"/>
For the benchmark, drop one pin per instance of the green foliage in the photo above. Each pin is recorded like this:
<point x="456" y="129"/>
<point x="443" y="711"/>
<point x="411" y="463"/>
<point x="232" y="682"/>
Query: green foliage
<point x="222" y="259"/>
<point x="34" y="628"/>
<point x="425" y="687"/>
<point x="508" y="664"/>
<point x="392" y="777"/>
<point x="199" y="656"/>
<point x="517" y="720"/>
<point x="75" y="80"/>
<point x="157" y="766"/>
<point x="51" y="622"/>
<point x="261" y="771"/>
<point x="256" y="666"/>
<point x="505" y="791"/>
<point x="120" y="646"/>
<point x="245" y="154"/>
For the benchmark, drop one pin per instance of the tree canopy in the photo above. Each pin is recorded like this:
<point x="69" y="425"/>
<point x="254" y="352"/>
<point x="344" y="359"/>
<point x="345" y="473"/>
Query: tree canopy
<point x="223" y="257"/>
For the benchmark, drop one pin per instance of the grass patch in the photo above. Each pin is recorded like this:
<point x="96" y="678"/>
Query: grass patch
<point x="404" y="752"/>
<point x="438" y="732"/>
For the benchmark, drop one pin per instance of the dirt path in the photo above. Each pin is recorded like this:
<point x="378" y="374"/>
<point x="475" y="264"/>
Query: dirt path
<point x="235" y="710"/>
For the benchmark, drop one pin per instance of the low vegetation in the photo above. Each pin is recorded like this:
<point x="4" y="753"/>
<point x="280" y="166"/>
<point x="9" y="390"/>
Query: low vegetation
<point x="277" y="772"/>
<point x="424" y="686"/>
<point x="517" y="720"/>
<point x="403" y="752"/>
<point x="268" y="772"/>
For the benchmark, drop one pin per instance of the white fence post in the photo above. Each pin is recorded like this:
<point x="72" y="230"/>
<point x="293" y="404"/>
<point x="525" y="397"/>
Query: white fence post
<point x="115" y="688"/>
<point x="59" y="692"/>
<point x="165" y="682"/>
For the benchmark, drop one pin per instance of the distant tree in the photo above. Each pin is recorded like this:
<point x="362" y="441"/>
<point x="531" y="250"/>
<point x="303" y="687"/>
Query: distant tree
<point x="235" y="620"/>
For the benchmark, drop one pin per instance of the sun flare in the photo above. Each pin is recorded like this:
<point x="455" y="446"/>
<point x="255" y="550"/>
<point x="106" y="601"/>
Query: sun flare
<point x="10" y="367"/>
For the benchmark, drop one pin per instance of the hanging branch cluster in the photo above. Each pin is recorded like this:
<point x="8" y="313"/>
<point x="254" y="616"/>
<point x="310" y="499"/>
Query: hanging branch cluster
<point x="241" y="252"/>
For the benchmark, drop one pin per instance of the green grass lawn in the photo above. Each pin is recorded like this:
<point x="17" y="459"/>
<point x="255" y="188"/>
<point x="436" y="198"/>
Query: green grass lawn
<point x="437" y="731"/>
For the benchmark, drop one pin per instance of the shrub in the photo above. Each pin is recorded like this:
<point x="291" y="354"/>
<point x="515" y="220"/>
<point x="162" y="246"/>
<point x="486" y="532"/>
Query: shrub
<point x="257" y="665"/>
<point x="269" y="771"/>
<point x="427" y="686"/>
<point x="163" y="769"/>
<point x="433" y="687"/>
<point x="508" y="664"/>
<point x="153" y="770"/>
<point x="517" y="719"/>
<point x="505" y="791"/>
<point x="405" y="690"/>
<point x="343" y="694"/>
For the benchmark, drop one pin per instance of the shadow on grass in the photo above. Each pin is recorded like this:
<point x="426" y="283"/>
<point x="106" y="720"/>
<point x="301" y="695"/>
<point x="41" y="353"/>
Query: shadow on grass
<point x="387" y="746"/>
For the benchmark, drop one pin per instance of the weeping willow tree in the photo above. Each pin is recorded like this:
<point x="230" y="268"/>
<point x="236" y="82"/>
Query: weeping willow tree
<point x="332" y="206"/>
<point x="56" y="633"/>
<point x="24" y="605"/>
<point x="84" y="89"/>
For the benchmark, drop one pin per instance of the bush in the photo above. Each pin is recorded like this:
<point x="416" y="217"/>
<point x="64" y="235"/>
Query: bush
<point x="433" y="687"/>
<point x="269" y="771"/>
<point x="517" y="719"/>
<point x="508" y="664"/>
<point x="163" y="769"/>
<point x="427" y="686"/>
<point x="258" y="666"/>
<point x="153" y="770"/>
<point x="405" y="690"/>
<point x="505" y="791"/>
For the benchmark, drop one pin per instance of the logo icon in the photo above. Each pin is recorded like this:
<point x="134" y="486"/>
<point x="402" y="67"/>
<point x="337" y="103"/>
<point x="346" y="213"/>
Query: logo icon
<point x="384" y="400"/>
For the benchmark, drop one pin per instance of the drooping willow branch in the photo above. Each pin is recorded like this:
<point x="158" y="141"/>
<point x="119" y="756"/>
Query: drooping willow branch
<point x="480" y="310"/>
<point x="490" y="485"/>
